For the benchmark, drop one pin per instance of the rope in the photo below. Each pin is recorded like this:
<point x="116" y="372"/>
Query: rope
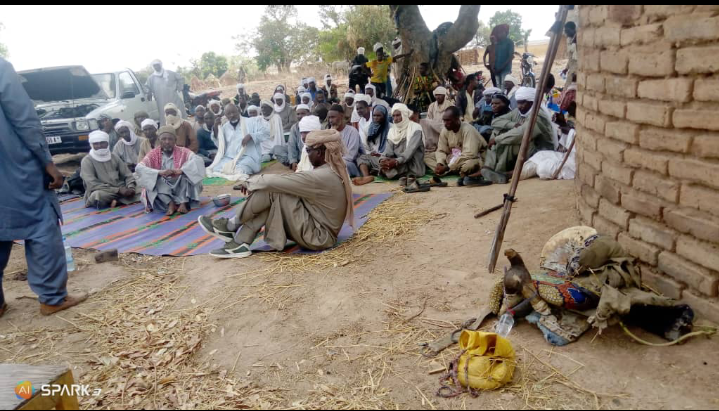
<point x="709" y="331"/>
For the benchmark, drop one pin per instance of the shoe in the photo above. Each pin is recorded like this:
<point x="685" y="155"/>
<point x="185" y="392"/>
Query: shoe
<point x="417" y="188"/>
<point x="497" y="178"/>
<point x="403" y="181"/>
<point x="476" y="182"/>
<point x="232" y="250"/>
<point x="3" y="309"/>
<point x="70" y="301"/>
<point x="460" y="181"/>
<point x="216" y="227"/>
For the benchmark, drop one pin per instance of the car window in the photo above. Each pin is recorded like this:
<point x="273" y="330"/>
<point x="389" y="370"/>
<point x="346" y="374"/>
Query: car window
<point x="127" y="84"/>
<point x="107" y="82"/>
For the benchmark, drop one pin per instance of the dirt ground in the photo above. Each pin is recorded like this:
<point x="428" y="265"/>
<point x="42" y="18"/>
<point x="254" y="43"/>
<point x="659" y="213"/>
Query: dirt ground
<point x="341" y="330"/>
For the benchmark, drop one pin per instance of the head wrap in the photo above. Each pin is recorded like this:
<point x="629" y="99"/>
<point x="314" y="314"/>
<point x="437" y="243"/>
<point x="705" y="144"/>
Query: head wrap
<point x="279" y="108"/>
<point x="174" y="121"/>
<point x="396" y="41"/>
<point x="489" y="91"/>
<point x="280" y="86"/>
<point x="270" y="105"/>
<point x="311" y="80"/>
<point x="440" y="90"/>
<point x="166" y="129"/>
<point x="218" y="103"/>
<point x="155" y="61"/>
<point x="377" y="133"/>
<point x="328" y="77"/>
<point x="240" y="86"/>
<point x="309" y="96"/>
<point x="363" y="97"/>
<point x="162" y="72"/>
<point x="511" y="79"/>
<point x="103" y="155"/>
<point x="301" y="89"/>
<point x="310" y="123"/>
<point x="525" y="93"/>
<point x="140" y="114"/>
<point x="374" y="93"/>
<point x="253" y="108"/>
<point x="133" y="137"/>
<point x="405" y="128"/>
<point x="334" y="150"/>
<point x="377" y="46"/>
<point x="172" y="106"/>
<point x="350" y="94"/>
<point x="202" y="107"/>
<point x="148" y="122"/>
<point x="360" y="50"/>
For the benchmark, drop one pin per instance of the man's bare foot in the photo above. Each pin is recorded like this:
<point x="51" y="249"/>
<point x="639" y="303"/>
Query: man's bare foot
<point x="184" y="208"/>
<point x="360" y="181"/>
<point x="148" y="209"/>
<point x="113" y="204"/>
<point x="70" y="301"/>
<point x="171" y="209"/>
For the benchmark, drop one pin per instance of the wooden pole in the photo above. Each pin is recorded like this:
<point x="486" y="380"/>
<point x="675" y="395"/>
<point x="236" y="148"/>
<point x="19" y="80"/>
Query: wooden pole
<point x="508" y="199"/>
<point x="566" y="157"/>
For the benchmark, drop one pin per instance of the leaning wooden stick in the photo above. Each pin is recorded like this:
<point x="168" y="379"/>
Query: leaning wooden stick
<point x="491" y="210"/>
<point x="509" y="198"/>
<point x="566" y="157"/>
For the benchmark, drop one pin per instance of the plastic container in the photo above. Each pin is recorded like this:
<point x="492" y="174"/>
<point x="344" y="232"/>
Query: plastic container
<point x="68" y="255"/>
<point x="505" y="324"/>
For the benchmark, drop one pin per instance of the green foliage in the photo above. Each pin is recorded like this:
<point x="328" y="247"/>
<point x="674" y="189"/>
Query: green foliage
<point x="143" y="74"/>
<point x="481" y="39"/>
<point x="348" y="28"/>
<point x="211" y="63"/>
<point x="3" y="48"/>
<point x="516" y="33"/>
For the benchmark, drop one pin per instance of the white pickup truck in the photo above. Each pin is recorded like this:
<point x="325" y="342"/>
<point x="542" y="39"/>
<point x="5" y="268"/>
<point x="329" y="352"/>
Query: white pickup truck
<point x="69" y="101"/>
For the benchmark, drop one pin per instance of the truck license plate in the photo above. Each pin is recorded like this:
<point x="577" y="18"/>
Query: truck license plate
<point x="54" y="140"/>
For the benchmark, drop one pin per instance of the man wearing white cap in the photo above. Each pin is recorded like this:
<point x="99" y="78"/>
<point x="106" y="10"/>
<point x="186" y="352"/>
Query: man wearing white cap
<point x="380" y="68"/>
<point x="289" y="154"/>
<point x="166" y="87"/>
<point x="108" y="180"/>
<point x="312" y="87"/>
<point x="507" y="134"/>
<point x="432" y="125"/>
<point x="511" y="85"/>
<point x="485" y="107"/>
<point x="330" y="89"/>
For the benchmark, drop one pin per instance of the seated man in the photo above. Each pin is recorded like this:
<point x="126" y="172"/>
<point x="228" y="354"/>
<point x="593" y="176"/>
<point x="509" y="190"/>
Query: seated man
<point x="253" y="111"/>
<point x="140" y="116"/>
<point x="508" y="131"/>
<point x="485" y="107"/>
<point x="186" y="136"/>
<point x="371" y="92"/>
<point x="403" y="154"/>
<point x="206" y="138"/>
<point x="432" y="125"/>
<point x="350" y="138"/>
<point x="460" y="148"/>
<point x="284" y="111"/>
<point x="330" y="90"/>
<point x="321" y="100"/>
<point x="171" y="176"/>
<point x="149" y="128"/>
<point x="277" y="134"/>
<point x="199" y="120"/>
<point x="308" y="208"/>
<point x="348" y="106"/>
<point x="128" y="148"/>
<point x="240" y="151"/>
<point x="107" y="178"/>
<point x="500" y="107"/>
<point x="289" y="154"/>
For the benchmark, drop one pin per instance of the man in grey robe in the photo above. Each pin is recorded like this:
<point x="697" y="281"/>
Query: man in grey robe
<point x="29" y="209"/>
<point x="290" y="154"/>
<point x="166" y="87"/>
<point x="350" y="138"/>
<point x="308" y="207"/>
<point x="171" y="176"/>
<point x="129" y="147"/>
<point x="108" y="180"/>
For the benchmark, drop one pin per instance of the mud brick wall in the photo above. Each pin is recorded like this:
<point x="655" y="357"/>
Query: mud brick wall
<point x="648" y="141"/>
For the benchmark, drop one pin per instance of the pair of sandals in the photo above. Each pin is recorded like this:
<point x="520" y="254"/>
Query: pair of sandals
<point x="412" y="185"/>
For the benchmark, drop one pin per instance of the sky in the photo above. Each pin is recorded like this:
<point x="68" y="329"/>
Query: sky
<point x="107" y="38"/>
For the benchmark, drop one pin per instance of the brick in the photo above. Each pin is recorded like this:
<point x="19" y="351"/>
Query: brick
<point x="699" y="197"/>
<point x="612" y="149"/>
<point x="660" y="139"/>
<point x="697" y="60"/>
<point x="696" y="170"/>
<point x="617" y="172"/>
<point x="595" y="82"/>
<point x="664" y="10"/>
<point x="642" y="204"/>
<point x="586" y="174"/>
<point x="593" y="158"/>
<point x="706" y="145"/>
<point x="657" y="185"/>
<point x="674" y="89"/>
<point x="586" y="212"/>
<point x="590" y="196"/>
<point x="613" y="108"/>
<point x="581" y="80"/>
<point x="653" y="233"/>
<point x="590" y="139"/>
<point x="614" y="61"/>
<point x="591" y="60"/>
<point x="608" y="189"/>
<point x="606" y="36"/>
<point x="583" y="15"/>
<point x="622" y="130"/>
<point x="598" y="14"/>
<point x="606" y="227"/>
<point x="650" y="160"/>
<point x="706" y="309"/>
<point x="624" y="14"/>
<point x="706" y="90"/>
<point x="643" y="251"/>
<point x="649" y="112"/>
<point x="693" y="222"/>
<point x="662" y="284"/>
<point x="700" y="252"/>
<point x="652" y="64"/>
<point x="621" y="86"/>
<point x="590" y="102"/>
<point x="691" y="28"/>
<point x="585" y="37"/>
<point x="698" y="278"/>
<point x="613" y="213"/>
<point x="595" y="122"/>
<point x="699" y="119"/>
<point x="641" y="34"/>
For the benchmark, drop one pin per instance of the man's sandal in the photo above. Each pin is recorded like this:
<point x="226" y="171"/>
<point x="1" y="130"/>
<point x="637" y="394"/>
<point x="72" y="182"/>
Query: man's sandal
<point x="417" y="188"/>
<point x="437" y="182"/>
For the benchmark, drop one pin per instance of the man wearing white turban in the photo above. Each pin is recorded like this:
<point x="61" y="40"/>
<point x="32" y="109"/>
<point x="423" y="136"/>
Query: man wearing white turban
<point x="330" y="89"/>
<point x="277" y="134"/>
<point x="289" y="154"/>
<point x="108" y="180"/>
<point x="166" y="87"/>
<point x="511" y="85"/>
<point x="432" y="125"/>
<point x="312" y="87"/>
<point x="348" y="105"/>
<point x="308" y="208"/>
<point x="508" y="131"/>
<point x="128" y="148"/>
<point x="285" y="112"/>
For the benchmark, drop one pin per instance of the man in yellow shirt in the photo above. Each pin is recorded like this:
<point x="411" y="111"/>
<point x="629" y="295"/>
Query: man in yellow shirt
<point x="380" y="68"/>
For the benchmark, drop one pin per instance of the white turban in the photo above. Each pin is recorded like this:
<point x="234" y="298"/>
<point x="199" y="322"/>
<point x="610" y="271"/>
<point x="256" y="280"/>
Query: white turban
<point x="377" y="46"/>
<point x="155" y="61"/>
<point x="440" y="90"/>
<point x="98" y="136"/>
<point x="240" y="86"/>
<point x="103" y="155"/>
<point x="491" y="91"/>
<point x="311" y="80"/>
<point x="511" y="78"/>
<point x="279" y="108"/>
<point x="526" y="94"/>
<point x="130" y="127"/>
<point x="305" y="94"/>
<point x="374" y="94"/>
<point x="301" y="89"/>
<point x="212" y="103"/>
<point x="148" y="122"/>
<point x="302" y="107"/>
<point x="363" y="97"/>
<point x="360" y="50"/>
<point x="310" y="123"/>
<point x="328" y="77"/>
<point x="396" y="41"/>
<point x="253" y="108"/>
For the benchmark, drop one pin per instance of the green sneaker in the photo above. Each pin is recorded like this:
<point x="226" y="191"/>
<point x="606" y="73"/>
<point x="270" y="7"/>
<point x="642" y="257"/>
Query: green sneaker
<point x="232" y="250"/>
<point x="216" y="227"/>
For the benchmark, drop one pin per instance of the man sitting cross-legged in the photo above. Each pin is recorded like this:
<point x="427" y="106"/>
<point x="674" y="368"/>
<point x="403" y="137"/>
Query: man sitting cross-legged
<point x="171" y="176"/>
<point x="460" y="147"/>
<point x="308" y="207"/>
<point x="108" y="180"/>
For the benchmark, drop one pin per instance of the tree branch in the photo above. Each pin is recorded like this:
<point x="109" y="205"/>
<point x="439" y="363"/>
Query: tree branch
<point x="409" y="21"/>
<point x="462" y="31"/>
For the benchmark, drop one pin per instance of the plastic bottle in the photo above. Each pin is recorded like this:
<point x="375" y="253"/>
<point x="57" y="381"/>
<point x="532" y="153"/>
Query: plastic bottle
<point x="505" y="324"/>
<point x="68" y="255"/>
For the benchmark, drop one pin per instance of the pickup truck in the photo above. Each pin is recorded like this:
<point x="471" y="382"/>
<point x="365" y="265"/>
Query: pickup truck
<point x="69" y="101"/>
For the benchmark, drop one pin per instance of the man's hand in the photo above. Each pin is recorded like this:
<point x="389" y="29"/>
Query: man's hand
<point x="246" y="140"/>
<point x="294" y="166"/>
<point x="376" y="154"/>
<point x="244" y="190"/>
<point x="166" y="173"/>
<point x="475" y="114"/>
<point x="57" y="177"/>
<point x="218" y="121"/>
<point x="440" y="169"/>
<point x="176" y="173"/>
<point x="126" y="192"/>
<point x="492" y="142"/>
<point x="389" y="164"/>
<point x="149" y="96"/>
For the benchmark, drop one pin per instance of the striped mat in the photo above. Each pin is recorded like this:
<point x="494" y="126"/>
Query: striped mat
<point x="130" y="230"/>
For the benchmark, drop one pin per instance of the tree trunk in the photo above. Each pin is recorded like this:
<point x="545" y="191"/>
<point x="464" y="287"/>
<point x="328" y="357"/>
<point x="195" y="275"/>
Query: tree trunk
<point x="435" y="48"/>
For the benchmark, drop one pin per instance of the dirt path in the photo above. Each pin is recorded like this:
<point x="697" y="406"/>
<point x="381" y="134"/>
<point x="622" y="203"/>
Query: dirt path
<point x="341" y="330"/>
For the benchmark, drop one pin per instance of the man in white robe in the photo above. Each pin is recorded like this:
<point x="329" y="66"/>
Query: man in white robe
<point x="165" y="86"/>
<point x="277" y="134"/>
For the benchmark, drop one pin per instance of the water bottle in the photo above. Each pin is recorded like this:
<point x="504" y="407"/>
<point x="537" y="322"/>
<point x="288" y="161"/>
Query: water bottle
<point x="505" y="324"/>
<point x="68" y="255"/>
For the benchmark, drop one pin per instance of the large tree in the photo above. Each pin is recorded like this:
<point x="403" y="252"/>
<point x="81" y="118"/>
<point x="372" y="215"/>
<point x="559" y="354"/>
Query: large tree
<point x="350" y="27"/>
<point x="434" y="47"/>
